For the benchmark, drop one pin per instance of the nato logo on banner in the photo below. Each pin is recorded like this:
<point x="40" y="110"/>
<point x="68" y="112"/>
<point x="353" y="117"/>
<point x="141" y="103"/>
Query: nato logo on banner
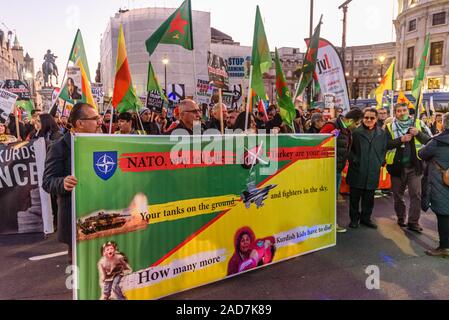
<point x="105" y="164"/>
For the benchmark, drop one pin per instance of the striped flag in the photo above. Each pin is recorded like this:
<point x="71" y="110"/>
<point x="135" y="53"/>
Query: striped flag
<point x="125" y="97"/>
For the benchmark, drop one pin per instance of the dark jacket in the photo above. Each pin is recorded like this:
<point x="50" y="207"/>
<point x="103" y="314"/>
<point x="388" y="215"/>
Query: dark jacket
<point x="438" y="150"/>
<point x="180" y="126"/>
<point x="395" y="170"/>
<point x="215" y="124"/>
<point x="57" y="168"/>
<point x="367" y="155"/>
<point x="313" y="130"/>
<point x="151" y="128"/>
<point x="344" y="141"/>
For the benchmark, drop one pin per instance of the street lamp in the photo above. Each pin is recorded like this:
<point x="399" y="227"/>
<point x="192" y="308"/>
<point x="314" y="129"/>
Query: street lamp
<point x="165" y="61"/>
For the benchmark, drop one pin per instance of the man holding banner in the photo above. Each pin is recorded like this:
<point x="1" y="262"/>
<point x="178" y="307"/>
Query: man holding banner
<point x="57" y="178"/>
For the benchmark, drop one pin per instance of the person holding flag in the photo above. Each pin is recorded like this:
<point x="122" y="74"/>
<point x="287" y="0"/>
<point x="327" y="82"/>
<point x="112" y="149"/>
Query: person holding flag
<point x="406" y="137"/>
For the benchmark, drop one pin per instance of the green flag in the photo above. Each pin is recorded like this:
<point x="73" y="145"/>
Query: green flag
<point x="261" y="57"/>
<point x="153" y="83"/>
<point x="26" y="105"/>
<point x="284" y="97"/>
<point x="177" y="29"/>
<point x="420" y="73"/>
<point x="79" y="53"/>
<point x="79" y="59"/>
<point x="308" y="68"/>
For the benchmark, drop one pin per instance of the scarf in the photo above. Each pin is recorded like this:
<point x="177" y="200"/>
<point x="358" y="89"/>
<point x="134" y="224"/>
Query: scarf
<point x="400" y="128"/>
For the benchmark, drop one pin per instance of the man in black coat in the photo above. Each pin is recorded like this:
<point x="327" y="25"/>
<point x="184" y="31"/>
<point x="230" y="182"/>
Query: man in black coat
<point x="57" y="175"/>
<point x="368" y="151"/>
<point x="342" y="128"/>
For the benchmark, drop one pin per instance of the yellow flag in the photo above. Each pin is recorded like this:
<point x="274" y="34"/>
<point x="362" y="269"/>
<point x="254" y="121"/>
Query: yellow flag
<point x="402" y="99"/>
<point x="387" y="83"/>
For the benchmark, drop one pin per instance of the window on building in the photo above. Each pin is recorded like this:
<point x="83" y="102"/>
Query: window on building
<point x="439" y="18"/>
<point x="412" y="25"/>
<point x="410" y="58"/>
<point x="408" y="85"/>
<point x="434" y="84"/>
<point x="436" y="53"/>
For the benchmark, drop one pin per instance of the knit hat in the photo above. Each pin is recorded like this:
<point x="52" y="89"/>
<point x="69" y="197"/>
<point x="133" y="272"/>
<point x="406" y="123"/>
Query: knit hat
<point x="143" y="110"/>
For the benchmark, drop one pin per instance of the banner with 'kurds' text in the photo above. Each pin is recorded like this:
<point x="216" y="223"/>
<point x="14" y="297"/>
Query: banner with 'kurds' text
<point x="153" y="217"/>
<point x="25" y="206"/>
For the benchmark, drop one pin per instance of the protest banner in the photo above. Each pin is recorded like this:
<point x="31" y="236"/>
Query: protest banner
<point x="237" y="68"/>
<point x="176" y="92"/>
<point x="25" y="206"/>
<point x="18" y="87"/>
<point x="177" y="207"/>
<point x="155" y="102"/>
<point x="72" y="89"/>
<point x="98" y="93"/>
<point x="204" y="92"/>
<point x="218" y="71"/>
<point x="7" y="102"/>
<point x="331" y="74"/>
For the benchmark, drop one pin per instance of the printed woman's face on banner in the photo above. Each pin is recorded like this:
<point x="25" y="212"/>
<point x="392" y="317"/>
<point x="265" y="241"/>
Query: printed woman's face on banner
<point x="245" y="243"/>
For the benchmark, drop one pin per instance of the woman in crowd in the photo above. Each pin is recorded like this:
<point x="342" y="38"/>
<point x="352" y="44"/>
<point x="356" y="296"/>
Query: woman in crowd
<point x="436" y="153"/>
<point x="5" y="137"/>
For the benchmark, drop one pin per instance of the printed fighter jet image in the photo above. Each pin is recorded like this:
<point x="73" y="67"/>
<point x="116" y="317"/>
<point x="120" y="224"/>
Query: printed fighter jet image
<point x="256" y="196"/>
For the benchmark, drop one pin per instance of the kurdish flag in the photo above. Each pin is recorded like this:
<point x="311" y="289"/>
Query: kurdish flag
<point x="387" y="83"/>
<point x="153" y="83"/>
<point x="309" y="66"/>
<point x="419" y="79"/>
<point x="125" y="97"/>
<point x="261" y="57"/>
<point x="284" y="97"/>
<point x="78" y="58"/>
<point x="177" y="29"/>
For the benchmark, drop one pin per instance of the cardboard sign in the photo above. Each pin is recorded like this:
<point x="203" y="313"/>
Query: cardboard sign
<point x="7" y="102"/>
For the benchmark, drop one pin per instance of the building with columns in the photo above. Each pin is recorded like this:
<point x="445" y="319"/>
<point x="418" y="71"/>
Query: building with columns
<point x="366" y="65"/>
<point x="415" y="20"/>
<point x="14" y="63"/>
<point x="139" y="24"/>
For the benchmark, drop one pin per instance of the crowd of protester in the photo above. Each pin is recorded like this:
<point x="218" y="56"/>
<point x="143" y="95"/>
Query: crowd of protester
<point x="367" y="140"/>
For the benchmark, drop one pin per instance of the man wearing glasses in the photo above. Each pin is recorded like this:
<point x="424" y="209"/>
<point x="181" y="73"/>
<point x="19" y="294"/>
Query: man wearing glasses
<point x="57" y="175"/>
<point x="368" y="151"/>
<point x="189" y="119"/>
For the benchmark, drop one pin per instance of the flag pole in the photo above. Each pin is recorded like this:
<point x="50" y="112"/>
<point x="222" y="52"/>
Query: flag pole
<point x="112" y="117"/>
<point x="17" y="124"/>
<point x="392" y="104"/>
<point x="220" y="102"/>
<point x="195" y="82"/>
<point x="249" y="97"/>
<point x="140" y="121"/>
